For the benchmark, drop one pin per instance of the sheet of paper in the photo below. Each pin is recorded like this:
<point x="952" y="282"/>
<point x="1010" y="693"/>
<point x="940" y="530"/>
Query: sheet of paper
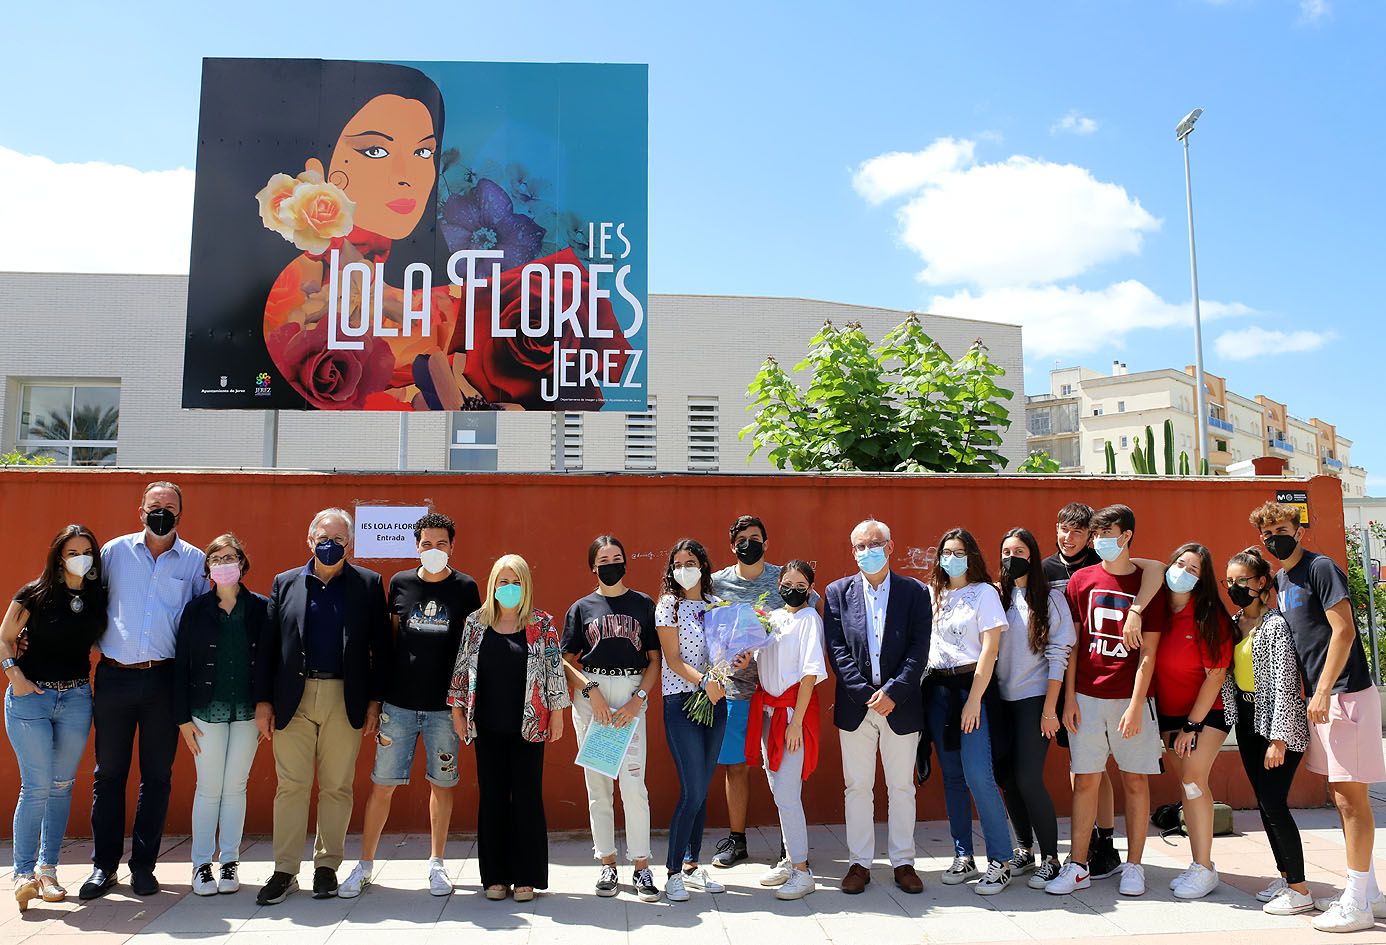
<point x="605" y="748"/>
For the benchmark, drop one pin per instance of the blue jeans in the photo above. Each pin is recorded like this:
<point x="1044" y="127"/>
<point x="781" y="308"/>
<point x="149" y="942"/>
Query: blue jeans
<point x="968" y="779"/>
<point x="694" y="747"/>
<point x="48" y="731"/>
<point x="226" y="750"/>
<point x="400" y="730"/>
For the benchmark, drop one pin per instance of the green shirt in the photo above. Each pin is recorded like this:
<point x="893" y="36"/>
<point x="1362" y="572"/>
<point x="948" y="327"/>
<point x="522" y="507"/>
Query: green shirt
<point x="230" y="700"/>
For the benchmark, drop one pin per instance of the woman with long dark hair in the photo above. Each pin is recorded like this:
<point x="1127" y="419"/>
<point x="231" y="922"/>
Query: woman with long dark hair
<point x="967" y="626"/>
<point x="48" y="702"/>
<point x="1190" y="667"/>
<point x="1263" y="701"/>
<point x="1029" y="673"/>
<point x="685" y="593"/>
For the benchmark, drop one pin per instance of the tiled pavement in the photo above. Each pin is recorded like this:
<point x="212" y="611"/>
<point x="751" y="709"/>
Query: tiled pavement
<point x="399" y="909"/>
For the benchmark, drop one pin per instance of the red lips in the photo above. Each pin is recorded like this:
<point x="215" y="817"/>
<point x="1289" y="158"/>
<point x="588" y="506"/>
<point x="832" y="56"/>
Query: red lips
<point x="402" y="205"/>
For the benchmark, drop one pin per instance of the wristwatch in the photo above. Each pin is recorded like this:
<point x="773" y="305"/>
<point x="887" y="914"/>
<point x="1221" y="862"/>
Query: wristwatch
<point x="587" y="690"/>
<point x="644" y="696"/>
<point x="8" y="664"/>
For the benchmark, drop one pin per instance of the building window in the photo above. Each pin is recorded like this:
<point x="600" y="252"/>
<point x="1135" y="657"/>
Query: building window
<point x="1123" y="442"/>
<point x="1220" y="444"/>
<point x="1099" y="445"/>
<point x="472" y="441"/>
<point x="704" y="434"/>
<point x="571" y="426"/>
<point x="640" y="439"/>
<point x="75" y="424"/>
<point x="1038" y="421"/>
<point x="1066" y="390"/>
<point x="1097" y="411"/>
<point x="1121" y="406"/>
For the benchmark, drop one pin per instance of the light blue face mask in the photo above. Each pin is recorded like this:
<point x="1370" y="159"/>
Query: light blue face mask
<point x="1179" y="580"/>
<point x="508" y="595"/>
<point x="953" y="566"/>
<point x="1108" y="549"/>
<point x="872" y="560"/>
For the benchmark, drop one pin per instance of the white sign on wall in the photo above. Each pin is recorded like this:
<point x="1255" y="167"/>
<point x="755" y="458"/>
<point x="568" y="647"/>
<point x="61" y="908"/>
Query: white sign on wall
<point x="387" y="531"/>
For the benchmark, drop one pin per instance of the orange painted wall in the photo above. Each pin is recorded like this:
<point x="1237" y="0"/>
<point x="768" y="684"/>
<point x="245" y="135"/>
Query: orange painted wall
<point x="550" y="519"/>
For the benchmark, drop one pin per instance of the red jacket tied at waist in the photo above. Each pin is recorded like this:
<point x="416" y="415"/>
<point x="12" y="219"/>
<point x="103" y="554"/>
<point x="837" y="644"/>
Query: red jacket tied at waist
<point x="779" y="724"/>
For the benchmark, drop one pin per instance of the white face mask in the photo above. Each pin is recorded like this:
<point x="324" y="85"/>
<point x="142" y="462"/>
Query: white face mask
<point x="434" y="560"/>
<point x="78" y="566"/>
<point x="688" y="577"/>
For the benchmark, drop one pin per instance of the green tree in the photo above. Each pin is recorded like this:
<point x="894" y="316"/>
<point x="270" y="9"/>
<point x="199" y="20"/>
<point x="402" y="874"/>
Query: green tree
<point x="902" y="405"/>
<point x="1039" y="461"/>
<point x="1357" y="585"/>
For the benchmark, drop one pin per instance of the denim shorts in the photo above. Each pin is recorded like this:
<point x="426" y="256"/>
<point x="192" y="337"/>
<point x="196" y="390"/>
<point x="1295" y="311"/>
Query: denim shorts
<point x="399" y="734"/>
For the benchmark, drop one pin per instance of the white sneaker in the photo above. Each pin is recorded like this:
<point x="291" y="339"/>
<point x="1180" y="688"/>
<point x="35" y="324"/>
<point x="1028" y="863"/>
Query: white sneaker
<point x="674" y="889"/>
<point x="1344" y="917"/>
<point x="1072" y="877"/>
<point x="439" y="882"/>
<point x="1289" y="902"/>
<point x="998" y="878"/>
<point x="203" y="882"/>
<point x="778" y="875"/>
<point x="230" y="881"/>
<point x="1132" y="880"/>
<point x="799" y="885"/>
<point x="1179" y="880"/>
<point x="963" y="869"/>
<point x="1273" y="890"/>
<point x="1378" y="905"/>
<point x="698" y="879"/>
<point x="1199" y="883"/>
<point x="357" y="880"/>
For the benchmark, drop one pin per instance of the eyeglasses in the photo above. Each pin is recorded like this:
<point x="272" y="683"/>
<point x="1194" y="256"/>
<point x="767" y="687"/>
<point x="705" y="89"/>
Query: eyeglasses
<point x="335" y="541"/>
<point x="1239" y="582"/>
<point x="949" y="553"/>
<point x="869" y="545"/>
<point x="794" y="587"/>
<point x="224" y="559"/>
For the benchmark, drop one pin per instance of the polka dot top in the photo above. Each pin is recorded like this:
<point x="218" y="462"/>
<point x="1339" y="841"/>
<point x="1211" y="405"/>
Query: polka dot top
<point x="687" y="616"/>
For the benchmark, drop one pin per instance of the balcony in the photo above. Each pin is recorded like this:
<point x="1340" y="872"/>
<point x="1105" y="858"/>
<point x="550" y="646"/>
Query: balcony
<point x="1279" y="447"/>
<point x="1217" y="423"/>
<point x="1331" y="463"/>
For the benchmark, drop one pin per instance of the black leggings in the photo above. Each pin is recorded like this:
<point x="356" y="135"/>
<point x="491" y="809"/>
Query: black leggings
<point x="1021" y="775"/>
<point x="1272" y="787"/>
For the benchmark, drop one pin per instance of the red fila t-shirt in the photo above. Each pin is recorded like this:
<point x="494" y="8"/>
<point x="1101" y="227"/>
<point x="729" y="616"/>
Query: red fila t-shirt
<point x="1106" y="669"/>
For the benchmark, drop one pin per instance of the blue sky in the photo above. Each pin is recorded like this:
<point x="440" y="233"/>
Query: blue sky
<point x="1036" y="176"/>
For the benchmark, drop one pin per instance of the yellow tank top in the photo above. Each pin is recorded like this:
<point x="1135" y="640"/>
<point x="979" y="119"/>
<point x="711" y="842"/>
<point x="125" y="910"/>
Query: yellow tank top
<point x="1241" y="665"/>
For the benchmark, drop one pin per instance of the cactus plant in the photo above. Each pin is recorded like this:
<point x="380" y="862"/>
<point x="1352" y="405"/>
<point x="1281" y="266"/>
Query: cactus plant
<point x="1111" y="458"/>
<point x="1150" y="451"/>
<point x="1138" y="461"/>
<point x="1169" y="447"/>
<point x="1203" y="467"/>
<point x="1183" y="463"/>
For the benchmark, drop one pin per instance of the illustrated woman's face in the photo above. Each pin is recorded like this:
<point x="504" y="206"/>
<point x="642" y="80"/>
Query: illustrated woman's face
<point x="384" y="161"/>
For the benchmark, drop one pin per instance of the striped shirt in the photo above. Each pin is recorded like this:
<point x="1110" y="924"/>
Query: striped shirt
<point x="147" y="596"/>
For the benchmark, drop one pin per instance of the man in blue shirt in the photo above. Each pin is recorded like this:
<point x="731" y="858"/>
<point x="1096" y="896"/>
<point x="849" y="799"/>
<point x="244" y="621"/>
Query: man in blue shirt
<point x="150" y="575"/>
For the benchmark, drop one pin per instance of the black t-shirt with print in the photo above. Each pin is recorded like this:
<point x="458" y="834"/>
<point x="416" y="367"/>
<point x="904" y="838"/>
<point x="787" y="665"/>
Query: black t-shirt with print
<point x="1058" y="570"/>
<point x="1306" y="591"/>
<point x="430" y="614"/>
<point x="611" y="632"/>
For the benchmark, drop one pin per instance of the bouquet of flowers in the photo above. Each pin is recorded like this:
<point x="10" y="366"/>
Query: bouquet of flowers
<point x="730" y="630"/>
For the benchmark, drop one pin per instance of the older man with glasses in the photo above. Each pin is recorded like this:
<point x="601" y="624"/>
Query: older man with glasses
<point x="319" y="683"/>
<point x="876" y="624"/>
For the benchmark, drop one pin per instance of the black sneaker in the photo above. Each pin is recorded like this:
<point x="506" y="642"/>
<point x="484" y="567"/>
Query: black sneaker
<point x="731" y="850"/>
<point x="608" y="885"/>
<point x="144" y="883"/>
<point x="324" y="883"/>
<point x="645" y="887"/>
<point x="1103" y="860"/>
<point x="278" y="888"/>
<point x="97" y="884"/>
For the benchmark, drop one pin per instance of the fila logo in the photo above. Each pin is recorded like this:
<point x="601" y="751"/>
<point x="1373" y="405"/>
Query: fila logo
<point x="1107" y="615"/>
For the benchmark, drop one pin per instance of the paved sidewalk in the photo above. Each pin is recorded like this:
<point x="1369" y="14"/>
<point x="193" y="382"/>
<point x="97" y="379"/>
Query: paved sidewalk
<point x="399" y="908"/>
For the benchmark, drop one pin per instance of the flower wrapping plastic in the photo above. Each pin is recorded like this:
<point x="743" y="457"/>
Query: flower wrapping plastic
<point x="730" y="630"/>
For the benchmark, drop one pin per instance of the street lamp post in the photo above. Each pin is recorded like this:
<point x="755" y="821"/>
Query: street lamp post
<point x="1182" y="131"/>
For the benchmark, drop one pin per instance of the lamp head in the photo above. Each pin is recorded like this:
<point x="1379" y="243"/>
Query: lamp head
<point x="1187" y="124"/>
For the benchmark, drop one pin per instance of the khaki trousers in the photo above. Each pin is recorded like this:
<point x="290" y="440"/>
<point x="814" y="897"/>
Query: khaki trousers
<point x="320" y="738"/>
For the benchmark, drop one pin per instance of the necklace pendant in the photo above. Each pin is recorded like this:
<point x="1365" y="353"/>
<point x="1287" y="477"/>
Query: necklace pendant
<point x="76" y="605"/>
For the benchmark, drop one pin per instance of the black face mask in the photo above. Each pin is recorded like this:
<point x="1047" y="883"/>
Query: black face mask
<point x="610" y="574"/>
<point x="328" y="552"/>
<point x="794" y="596"/>
<point x="750" y="551"/>
<point x="160" y="521"/>
<point x="1015" y="567"/>
<point x="1242" y="596"/>
<point x="1282" y="546"/>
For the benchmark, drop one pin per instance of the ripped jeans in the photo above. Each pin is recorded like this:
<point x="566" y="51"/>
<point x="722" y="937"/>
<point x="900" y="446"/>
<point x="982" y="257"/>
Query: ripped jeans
<point x="399" y="736"/>
<point x="48" y="731"/>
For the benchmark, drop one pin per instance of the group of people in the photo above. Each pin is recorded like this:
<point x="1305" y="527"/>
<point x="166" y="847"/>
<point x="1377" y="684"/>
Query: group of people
<point x="1119" y="658"/>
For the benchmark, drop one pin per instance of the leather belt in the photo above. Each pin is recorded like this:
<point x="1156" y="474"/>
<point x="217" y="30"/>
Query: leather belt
<point x="601" y="671"/>
<point x="954" y="670"/>
<point x="63" y="685"/>
<point x="1245" y="696"/>
<point x="147" y="664"/>
<point x="318" y="674"/>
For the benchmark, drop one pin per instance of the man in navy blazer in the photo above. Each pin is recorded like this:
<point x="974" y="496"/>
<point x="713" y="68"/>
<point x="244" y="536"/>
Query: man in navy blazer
<point x="876" y="625"/>
<point x="319" y="683"/>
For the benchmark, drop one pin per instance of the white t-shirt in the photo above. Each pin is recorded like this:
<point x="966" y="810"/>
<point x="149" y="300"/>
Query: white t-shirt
<point x="960" y="617"/>
<point x="795" y="651"/>
<point x="687" y="616"/>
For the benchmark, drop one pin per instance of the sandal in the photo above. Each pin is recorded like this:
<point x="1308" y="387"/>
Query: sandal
<point x="497" y="893"/>
<point x="49" y="887"/>
<point x="26" y="890"/>
<point x="524" y="893"/>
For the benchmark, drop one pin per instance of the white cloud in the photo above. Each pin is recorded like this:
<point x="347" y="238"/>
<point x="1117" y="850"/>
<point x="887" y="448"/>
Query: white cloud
<point x="1311" y="11"/>
<point x="1074" y="123"/>
<point x="1019" y="222"/>
<point x="1243" y="344"/>
<point x="901" y="172"/>
<point x="93" y="217"/>
<point x="1070" y="321"/>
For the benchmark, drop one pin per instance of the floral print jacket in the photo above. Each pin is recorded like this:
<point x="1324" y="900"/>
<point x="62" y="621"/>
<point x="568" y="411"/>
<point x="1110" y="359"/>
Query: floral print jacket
<point x="546" y="687"/>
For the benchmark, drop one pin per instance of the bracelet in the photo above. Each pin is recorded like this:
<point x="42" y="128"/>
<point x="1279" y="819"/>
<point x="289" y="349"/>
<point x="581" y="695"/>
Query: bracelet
<point x="1192" y="726"/>
<point x="1051" y="718"/>
<point x="587" y="689"/>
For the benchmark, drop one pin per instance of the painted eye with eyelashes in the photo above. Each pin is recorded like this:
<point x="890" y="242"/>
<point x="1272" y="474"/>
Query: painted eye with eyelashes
<point x="425" y="153"/>
<point x="375" y="152"/>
